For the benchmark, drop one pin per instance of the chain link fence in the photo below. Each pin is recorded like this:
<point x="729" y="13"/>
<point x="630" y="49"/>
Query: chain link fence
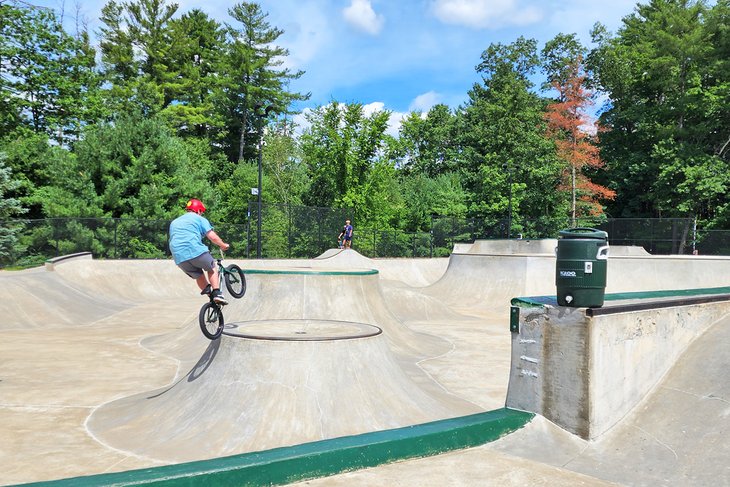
<point x="306" y="232"/>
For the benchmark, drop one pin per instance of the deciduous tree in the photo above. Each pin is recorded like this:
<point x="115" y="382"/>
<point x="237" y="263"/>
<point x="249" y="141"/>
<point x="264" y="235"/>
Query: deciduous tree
<point x="574" y="134"/>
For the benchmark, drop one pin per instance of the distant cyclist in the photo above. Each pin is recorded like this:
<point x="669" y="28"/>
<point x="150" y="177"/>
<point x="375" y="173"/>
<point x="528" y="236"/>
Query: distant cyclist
<point x="346" y="235"/>
<point x="191" y="255"/>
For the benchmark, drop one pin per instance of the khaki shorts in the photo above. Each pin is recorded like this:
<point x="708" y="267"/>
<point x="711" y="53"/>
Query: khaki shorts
<point x="195" y="267"/>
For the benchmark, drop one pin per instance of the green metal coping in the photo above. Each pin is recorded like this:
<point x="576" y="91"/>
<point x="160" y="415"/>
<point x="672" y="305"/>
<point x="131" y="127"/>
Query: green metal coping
<point x="551" y="300"/>
<point x="320" y="458"/>
<point x="364" y="272"/>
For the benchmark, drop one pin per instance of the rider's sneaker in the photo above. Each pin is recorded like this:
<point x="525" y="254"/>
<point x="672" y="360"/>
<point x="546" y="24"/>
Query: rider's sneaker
<point x="206" y="292"/>
<point x="218" y="297"/>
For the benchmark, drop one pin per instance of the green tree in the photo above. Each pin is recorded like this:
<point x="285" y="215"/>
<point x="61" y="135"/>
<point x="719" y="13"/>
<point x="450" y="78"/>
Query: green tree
<point x="48" y="77"/>
<point x="252" y="77"/>
<point x="196" y="46"/>
<point x="558" y="59"/>
<point x="430" y="142"/>
<point x="282" y="164"/>
<point x="140" y="170"/>
<point x="9" y="207"/>
<point x="426" y="198"/>
<point x="666" y="122"/>
<point x="349" y="163"/>
<point x="69" y="193"/>
<point x="27" y="154"/>
<point x="135" y="41"/>
<point x="506" y="152"/>
<point x="119" y="66"/>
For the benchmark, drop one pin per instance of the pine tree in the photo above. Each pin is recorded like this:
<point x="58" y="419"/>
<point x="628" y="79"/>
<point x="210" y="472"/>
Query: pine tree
<point x="252" y="78"/>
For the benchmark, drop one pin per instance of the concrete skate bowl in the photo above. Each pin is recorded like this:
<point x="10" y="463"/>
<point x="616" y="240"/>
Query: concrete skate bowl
<point x="265" y="385"/>
<point x="80" y="292"/>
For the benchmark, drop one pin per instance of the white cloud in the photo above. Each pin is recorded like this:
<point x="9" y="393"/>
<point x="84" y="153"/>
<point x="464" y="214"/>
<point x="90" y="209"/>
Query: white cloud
<point x="394" y="121"/>
<point x="425" y="101"/>
<point x="360" y="14"/>
<point x="307" y="31"/>
<point x="481" y="14"/>
<point x="301" y="124"/>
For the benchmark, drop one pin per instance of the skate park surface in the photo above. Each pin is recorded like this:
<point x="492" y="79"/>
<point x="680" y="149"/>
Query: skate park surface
<point x="103" y="368"/>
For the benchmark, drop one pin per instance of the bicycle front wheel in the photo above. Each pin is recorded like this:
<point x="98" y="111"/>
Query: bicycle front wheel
<point x="211" y="320"/>
<point x="235" y="281"/>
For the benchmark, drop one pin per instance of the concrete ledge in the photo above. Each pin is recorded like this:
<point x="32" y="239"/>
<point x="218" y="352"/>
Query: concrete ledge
<point x="586" y="370"/>
<point x="52" y="263"/>
<point x="321" y="458"/>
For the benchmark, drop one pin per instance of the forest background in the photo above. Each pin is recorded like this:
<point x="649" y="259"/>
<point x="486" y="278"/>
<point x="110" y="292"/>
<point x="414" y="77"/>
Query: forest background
<point x="159" y="105"/>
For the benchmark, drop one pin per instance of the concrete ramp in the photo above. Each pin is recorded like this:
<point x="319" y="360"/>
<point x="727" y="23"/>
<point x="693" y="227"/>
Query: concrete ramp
<point x="413" y="272"/>
<point x="325" y="294"/>
<point x="307" y="354"/>
<point x="475" y="283"/>
<point x="133" y="280"/>
<point x="42" y="299"/>
<point x="248" y="394"/>
<point x="513" y="246"/>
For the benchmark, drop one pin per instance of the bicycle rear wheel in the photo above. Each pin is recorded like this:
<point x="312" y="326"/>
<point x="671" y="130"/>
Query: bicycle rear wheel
<point x="235" y="281"/>
<point x="211" y="320"/>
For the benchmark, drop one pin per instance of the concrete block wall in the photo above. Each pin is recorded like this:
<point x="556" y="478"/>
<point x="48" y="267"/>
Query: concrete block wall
<point x="586" y="373"/>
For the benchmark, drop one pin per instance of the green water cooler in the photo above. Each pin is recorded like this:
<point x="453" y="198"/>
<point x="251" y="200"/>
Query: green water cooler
<point x="581" y="267"/>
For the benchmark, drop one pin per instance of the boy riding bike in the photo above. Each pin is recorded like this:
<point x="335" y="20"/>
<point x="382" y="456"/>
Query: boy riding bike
<point x="191" y="255"/>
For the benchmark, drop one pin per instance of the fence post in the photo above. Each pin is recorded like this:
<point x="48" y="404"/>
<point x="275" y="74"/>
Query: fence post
<point x="116" y="222"/>
<point x="288" y="239"/>
<point x="248" y="231"/>
<point x="55" y="235"/>
<point x="431" y="253"/>
<point x="319" y="230"/>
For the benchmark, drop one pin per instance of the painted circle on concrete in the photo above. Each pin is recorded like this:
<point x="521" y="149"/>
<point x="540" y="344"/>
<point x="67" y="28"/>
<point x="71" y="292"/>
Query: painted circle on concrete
<point x="300" y="330"/>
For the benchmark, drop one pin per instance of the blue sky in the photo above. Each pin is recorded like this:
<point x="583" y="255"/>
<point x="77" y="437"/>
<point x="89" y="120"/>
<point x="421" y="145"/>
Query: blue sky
<point x="401" y="55"/>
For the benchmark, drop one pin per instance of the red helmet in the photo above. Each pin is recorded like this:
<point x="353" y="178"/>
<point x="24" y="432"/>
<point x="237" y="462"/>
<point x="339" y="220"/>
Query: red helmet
<point x="195" y="205"/>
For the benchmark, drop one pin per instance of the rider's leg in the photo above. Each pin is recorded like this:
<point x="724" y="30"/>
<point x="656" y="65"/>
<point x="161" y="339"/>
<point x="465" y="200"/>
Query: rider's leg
<point x="216" y="294"/>
<point x="201" y="281"/>
<point x="214" y="278"/>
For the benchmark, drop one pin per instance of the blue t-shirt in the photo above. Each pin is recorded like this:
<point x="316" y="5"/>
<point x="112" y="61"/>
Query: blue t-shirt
<point x="186" y="236"/>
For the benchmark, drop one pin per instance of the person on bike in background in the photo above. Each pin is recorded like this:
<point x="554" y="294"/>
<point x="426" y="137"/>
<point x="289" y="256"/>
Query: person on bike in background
<point x="191" y="255"/>
<point x="346" y="235"/>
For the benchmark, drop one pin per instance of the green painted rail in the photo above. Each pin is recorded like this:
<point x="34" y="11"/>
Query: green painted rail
<point x="668" y="293"/>
<point x="320" y="458"/>
<point x="311" y="271"/>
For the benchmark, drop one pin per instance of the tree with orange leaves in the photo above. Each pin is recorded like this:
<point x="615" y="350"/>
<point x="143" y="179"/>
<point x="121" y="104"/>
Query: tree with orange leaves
<point x="575" y="136"/>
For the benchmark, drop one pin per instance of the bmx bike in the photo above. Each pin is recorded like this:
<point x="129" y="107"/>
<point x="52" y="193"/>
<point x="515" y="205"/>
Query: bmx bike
<point x="211" y="314"/>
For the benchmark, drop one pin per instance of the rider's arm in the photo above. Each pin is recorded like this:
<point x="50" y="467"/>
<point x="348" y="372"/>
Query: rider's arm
<point x="213" y="237"/>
